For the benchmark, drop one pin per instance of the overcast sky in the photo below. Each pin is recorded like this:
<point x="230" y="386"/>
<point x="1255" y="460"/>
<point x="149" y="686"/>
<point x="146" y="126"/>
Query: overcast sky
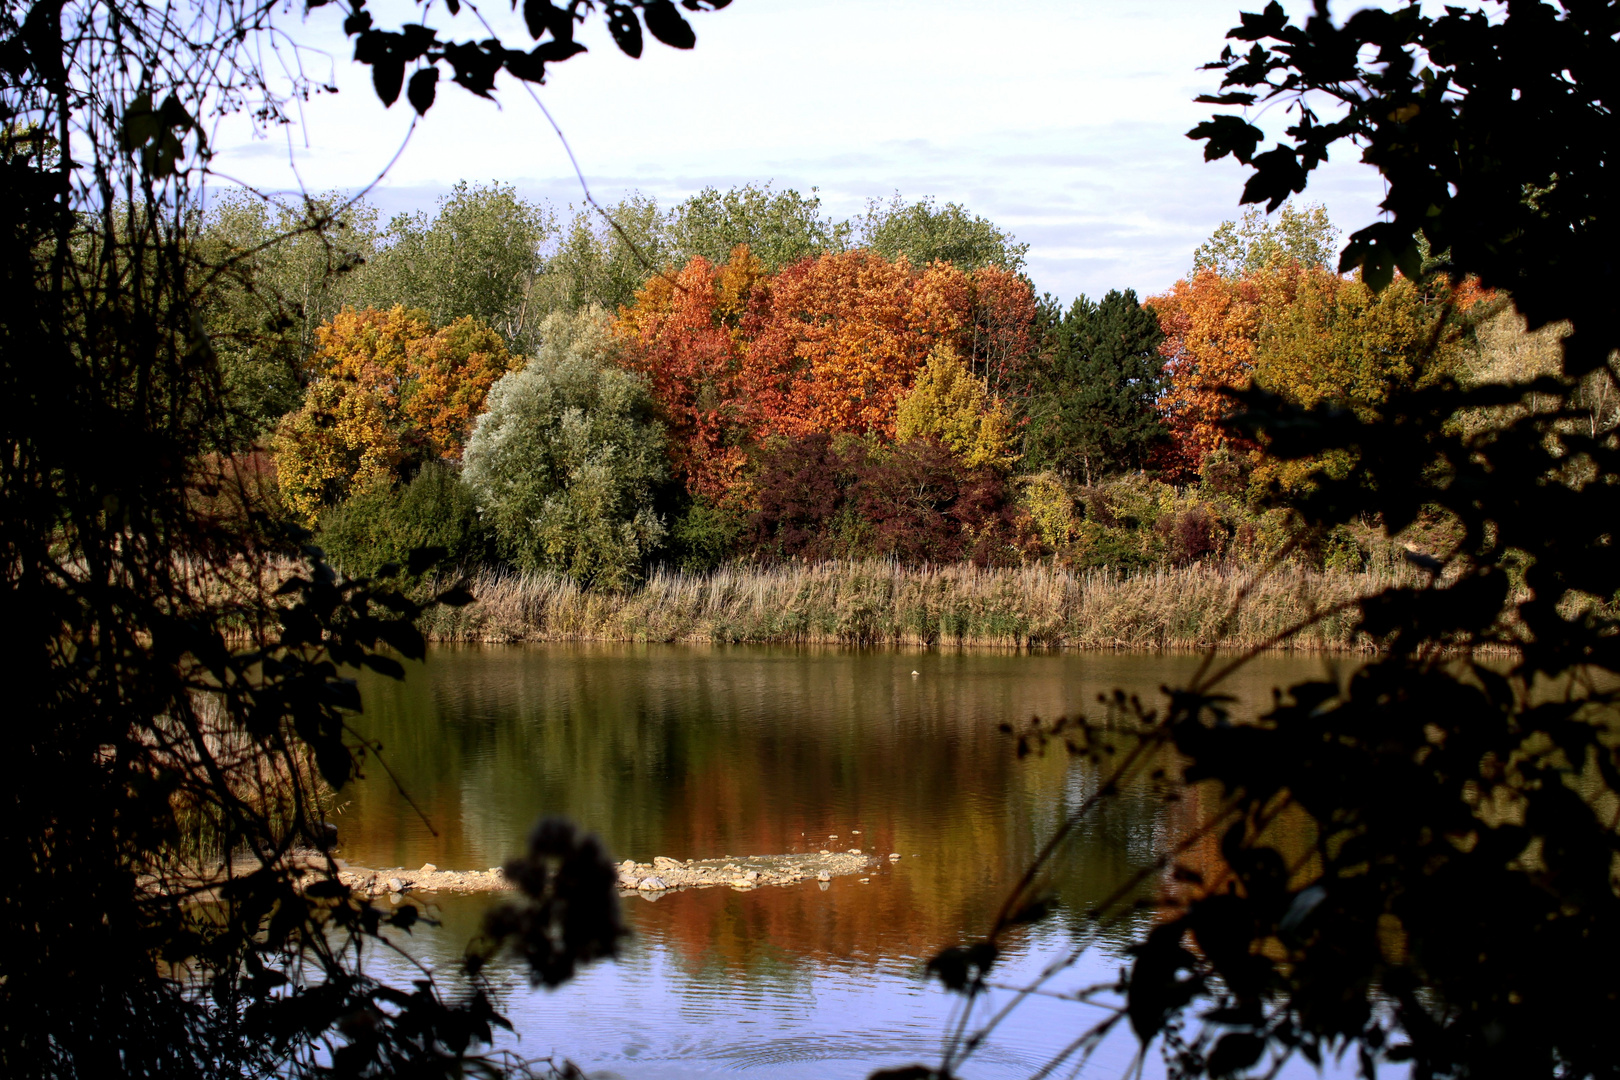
<point x="1063" y="122"/>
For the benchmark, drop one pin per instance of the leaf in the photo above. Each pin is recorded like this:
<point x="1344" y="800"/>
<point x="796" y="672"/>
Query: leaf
<point x="424" y="558"/>
<point x="388" y="76"/>
<point x="1234" y="1052"/>
<point x="626" y="30"/>
<point x="1228" y="135"/>
<point x="904" y="1072"/>
<point x="667" y="25"/>
<point x="424" y="86"/>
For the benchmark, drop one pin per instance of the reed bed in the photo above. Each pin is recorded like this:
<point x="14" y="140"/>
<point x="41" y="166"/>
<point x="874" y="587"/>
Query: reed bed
<point x="883" y="603"/>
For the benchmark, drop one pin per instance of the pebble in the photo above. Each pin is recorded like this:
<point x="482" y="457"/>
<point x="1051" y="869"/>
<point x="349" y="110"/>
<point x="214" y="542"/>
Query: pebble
<point x="650" y="883"/>
<point x="395" y="885"/>
<point x="428" y="868"/>
<point x="824" y="851"/>
<point x="854" y="851"/>
<point x="894" y="854"/>
<point x="824" y="876"/>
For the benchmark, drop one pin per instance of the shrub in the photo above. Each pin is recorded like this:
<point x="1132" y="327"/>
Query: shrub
<point x="704" y="535"/>
<point x="566" y="461"/>
<point x="803" y="485"/>
<point x="926" y="506"/>
<point x="389" y="524"/>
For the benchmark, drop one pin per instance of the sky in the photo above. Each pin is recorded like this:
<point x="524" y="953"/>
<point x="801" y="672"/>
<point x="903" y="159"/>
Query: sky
<point x="1062" y="122"/>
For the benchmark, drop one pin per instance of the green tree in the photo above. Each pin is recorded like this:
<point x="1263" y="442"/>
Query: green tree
<point x="948" y="404"/>
<point x="779" y="227"/>
<point x="1299" y="236"/>
<point x="1094" y="410"/>
<point x="479" y="256"/>
<point x="566" y="462"/>
<point x="924" y="231"/>
<point x="277" y="272"/>
<point x="598" y="265"/>
<point x="431" y="518"/>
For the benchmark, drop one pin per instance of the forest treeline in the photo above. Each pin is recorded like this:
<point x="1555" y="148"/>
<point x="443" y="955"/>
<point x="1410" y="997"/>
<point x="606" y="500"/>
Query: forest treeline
<point x="744" y="378"/>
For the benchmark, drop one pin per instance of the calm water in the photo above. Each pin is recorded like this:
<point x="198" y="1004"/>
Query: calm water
<point x="699" y="752"/>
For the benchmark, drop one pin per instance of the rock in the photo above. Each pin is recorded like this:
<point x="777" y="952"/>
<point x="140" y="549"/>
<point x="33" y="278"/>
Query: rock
<point x="395" y="885"/>
<point x="824" y="851"/>
<point x="741" y="883"/>
<point x="495" y="871"/>
<point x="894" y="854"/>
<point x="854" y="851"/>
<point x="752" y="875"/>
<point x="627" y="865"/>
<point x="428" y="868"/>
<point x="664" y="862"/>
<point x="648" y="884"/>
<point x="824" y="876"/>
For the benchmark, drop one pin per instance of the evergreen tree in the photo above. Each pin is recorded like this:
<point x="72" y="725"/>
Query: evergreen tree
<point x="1094" y="409"/>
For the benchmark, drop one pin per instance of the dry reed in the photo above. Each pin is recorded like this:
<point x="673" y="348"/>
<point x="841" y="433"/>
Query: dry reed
<point x="882" y="603"/>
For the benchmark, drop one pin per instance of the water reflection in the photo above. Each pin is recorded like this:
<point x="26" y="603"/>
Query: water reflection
<point x="701" y="752"/>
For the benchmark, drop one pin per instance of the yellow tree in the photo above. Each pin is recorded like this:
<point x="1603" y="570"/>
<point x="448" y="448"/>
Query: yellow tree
<point x="949" y="403"/>
<point x="388" y="390"/>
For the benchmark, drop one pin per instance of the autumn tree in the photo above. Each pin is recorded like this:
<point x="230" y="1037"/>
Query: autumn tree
<point x="389" y="391"/>
<point x="1210" y="325"/>
<point x="949" y="405"/>
<point x="1001" y="337"/>
<point x="844" y="337"/>
<point x="1095" y="406"/>
<point x="687" y="335"/>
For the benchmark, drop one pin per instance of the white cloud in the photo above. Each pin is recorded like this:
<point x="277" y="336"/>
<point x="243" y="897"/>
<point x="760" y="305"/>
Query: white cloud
<point x="1063" y="122"/>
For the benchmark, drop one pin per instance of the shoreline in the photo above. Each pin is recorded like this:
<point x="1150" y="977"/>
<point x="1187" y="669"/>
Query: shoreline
<point x="866" y="604"/>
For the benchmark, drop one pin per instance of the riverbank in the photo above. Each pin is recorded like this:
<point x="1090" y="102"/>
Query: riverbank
<point x="881" y="603"/>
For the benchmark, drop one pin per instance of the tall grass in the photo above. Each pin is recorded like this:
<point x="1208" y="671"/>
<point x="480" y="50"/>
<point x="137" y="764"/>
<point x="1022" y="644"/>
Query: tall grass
<point x="882" y="603"/>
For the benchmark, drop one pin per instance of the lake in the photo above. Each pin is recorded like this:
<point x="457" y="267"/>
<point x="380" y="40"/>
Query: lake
<point x="698" y="752"/>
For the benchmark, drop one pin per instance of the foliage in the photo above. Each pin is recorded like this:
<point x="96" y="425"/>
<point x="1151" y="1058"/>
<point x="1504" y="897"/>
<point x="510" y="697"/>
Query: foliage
<point x="1405" y="863"/>
<point x="1001" y="338"/>
<point x="565" y="462"/>
<point x="1300" y="237"/>
<point x="703" y="536"/>
<point x="925" y="506"/>
<point x="390" y="392"/>
<point x="687" y="336"/>
<point x="844" y="337"/>
<point x="1210" y="324"/>
<point x="276" y="273"/>
<point x="948" y="404"/>
<point x="803" y="488"/>
<point x="924" y="232"/>
<point x="779" y="227"/>
<point x="1093" y="411"/>
<point x="477" y="258"/>
<point x="177" y="663"/>
<point x="343" y="438"/>
<point x="383" y="525"/>
<point x="601" y="263"/>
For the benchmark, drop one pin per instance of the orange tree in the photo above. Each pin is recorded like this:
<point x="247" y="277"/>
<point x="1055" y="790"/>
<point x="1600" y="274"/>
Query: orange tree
<point x="687" y="334"/>
<point x="388" y="391"/>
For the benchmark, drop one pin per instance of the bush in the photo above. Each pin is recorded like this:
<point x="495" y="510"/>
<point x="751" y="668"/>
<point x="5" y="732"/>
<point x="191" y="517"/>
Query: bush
<point x="385" y="524"/>
<point x="703" y="536"/>
<point x="927" y="507"/>
<point x="803" y="487"/>
<point x="566" y="462"/>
